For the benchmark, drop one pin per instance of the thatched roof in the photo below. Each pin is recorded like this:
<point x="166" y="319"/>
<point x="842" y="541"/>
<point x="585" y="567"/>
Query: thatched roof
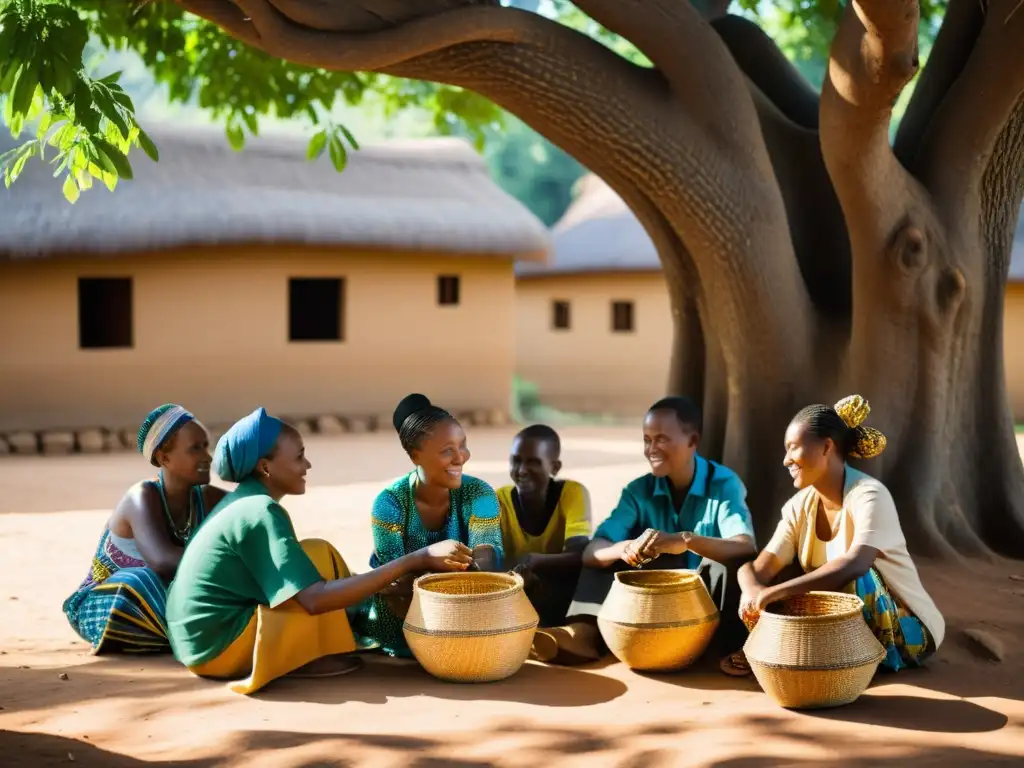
<point x="597" y="234"/>
<point x="431" y="194"/>
<point x="600" y="234"/>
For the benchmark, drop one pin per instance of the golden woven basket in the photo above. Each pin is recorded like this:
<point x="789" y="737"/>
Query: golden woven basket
<point x="814" y="651"/>
<point x="470" y="627"/>
<point x="657" y="620"/>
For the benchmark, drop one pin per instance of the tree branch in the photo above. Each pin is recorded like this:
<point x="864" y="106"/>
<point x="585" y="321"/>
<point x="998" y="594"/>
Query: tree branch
<point x="225" y="15"/>
<point x="556" y="79"/>
<point x="953" y="45"/>
<point x="760" y="59"/>
<point x="958" y="146"/>
<point x="873" y="56"/>
<point x="353" y="51"/>
<point x="681" y="45"/>
<point x="713" y="181"/>
<point x="354" y="15"/>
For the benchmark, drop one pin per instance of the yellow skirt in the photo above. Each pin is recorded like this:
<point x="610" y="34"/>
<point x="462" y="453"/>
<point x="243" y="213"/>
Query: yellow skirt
<point x="280" y="640"/>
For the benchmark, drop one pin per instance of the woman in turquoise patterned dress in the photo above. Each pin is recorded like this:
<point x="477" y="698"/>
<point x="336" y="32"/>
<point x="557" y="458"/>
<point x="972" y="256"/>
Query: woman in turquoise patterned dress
<point x="120" y="606"/>
<point x="435" y="502"/>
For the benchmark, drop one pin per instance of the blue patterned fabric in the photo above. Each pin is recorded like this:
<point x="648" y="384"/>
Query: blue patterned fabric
<point x="474" y="519"/>
<point x="904" y="637"/>
<point x="125" y="613"/>
<point x="120" y="606"/>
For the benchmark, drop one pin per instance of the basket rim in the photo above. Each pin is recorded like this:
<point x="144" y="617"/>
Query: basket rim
<point x="855" y="609"/>
<point x="687" y="580"/>
<point x="514" y="582"/>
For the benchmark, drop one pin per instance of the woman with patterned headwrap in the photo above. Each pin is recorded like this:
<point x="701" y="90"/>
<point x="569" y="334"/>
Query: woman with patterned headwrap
<point x="435" y="503"/>
<point x="251" y="602"/>
<point x="843" y="532"/>
<point x="120" y="604"/>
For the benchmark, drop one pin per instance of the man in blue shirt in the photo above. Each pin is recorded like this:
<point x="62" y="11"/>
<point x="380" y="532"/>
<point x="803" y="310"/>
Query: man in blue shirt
<point x="687" y="509"/>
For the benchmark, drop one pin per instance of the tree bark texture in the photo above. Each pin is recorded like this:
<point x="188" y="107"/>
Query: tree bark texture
<point x="807" y="256"/>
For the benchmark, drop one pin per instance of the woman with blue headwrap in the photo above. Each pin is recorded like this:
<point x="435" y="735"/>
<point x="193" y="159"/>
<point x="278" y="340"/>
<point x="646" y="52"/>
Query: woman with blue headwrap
<point x="251" y="602"/>
<point x="120" y="606"/>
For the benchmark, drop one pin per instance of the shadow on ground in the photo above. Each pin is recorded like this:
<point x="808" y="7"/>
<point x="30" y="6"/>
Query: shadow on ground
<point x="150" y="680"/>
<point x="533" y="684"/>
<point x="649" y="747"/>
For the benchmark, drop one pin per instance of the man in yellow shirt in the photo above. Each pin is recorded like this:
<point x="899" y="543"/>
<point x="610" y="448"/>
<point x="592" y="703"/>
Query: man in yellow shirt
<point x="545" y="522"/>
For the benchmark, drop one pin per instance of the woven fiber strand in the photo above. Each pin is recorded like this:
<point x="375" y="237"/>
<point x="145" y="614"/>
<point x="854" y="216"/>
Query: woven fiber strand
<point x="470" y="627"/>
<point x="657" y="621"/>
<point x="813" y="651"/>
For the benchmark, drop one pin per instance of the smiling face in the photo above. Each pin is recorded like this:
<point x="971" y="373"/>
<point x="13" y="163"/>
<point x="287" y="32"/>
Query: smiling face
<point x="186" y="455"/>
<point x="284" y="471"/>
<point x="441" y="455"/>
<point x="532" y="464"/>
<point x="669" y="445"/>
<point x="807" y="456"/>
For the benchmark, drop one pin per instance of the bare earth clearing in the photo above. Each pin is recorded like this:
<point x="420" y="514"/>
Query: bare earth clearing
<point x="134" y="712"/>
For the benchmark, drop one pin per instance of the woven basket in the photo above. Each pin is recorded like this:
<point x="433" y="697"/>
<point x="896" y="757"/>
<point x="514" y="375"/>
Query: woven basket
<point x="657" y="620"/>
<point x="470" y="627"/>
<point x="814" y="651"/>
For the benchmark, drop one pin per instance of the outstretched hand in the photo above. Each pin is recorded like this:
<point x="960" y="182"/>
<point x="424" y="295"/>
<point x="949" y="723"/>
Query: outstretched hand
<point x="637" y="552"/>
<point x="446" y="556"/>
<point x="751" y="606"/>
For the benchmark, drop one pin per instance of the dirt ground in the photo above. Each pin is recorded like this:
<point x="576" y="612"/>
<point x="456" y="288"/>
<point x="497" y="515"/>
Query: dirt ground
<point x="116" y="712"/>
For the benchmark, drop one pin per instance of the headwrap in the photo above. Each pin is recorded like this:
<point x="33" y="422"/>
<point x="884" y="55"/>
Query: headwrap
<point x="869" y="441"/>
<point x="158" y="427"/>
<point x="244" y="444"/>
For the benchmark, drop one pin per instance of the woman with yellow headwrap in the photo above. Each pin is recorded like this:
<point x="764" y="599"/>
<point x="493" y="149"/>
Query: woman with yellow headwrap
<point x="251" y="602"/>
<point x="844" y="533"/>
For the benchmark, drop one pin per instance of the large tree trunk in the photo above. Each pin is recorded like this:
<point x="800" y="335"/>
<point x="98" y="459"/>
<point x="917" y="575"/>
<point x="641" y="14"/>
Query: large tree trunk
<point x="807" y="258"/>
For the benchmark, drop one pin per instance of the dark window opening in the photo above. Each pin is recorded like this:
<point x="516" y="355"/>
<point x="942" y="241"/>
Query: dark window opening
<point x="448" y="290"/>
<point x="316" y="308"/>
<point x="622" y="316"/>
<point x="105" y="313"/>
<point x="560" y="317"/>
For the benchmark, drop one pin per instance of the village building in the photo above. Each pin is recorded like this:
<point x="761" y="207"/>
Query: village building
<point x="594" y="322"/>
<point x="594" y="325"/>
<point x="225" y="280"/>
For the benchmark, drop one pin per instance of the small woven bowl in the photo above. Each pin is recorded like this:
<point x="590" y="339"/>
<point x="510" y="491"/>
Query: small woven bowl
<point x="470" y="627"/>
<point x="814" y="650"/>
<point x="659" y="620"/>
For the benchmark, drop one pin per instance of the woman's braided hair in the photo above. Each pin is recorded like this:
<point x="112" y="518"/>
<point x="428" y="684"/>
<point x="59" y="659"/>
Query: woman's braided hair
<point x="843" y="424"/>
<point x="415" y="418"/>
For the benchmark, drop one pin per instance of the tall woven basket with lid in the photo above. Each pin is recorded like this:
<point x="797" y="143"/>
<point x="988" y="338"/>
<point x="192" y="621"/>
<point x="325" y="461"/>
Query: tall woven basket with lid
<point x="657" y="621"/>
<point x="470" y="627"/>
<point x="814" y="651"/>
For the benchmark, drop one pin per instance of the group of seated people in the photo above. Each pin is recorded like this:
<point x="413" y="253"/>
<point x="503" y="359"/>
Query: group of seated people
<point x="223" y="581"/>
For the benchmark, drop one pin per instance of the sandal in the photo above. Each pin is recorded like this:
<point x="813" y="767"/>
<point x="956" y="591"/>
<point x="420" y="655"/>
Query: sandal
<point x="735" y="665"/>
<point x="328" y="666"/>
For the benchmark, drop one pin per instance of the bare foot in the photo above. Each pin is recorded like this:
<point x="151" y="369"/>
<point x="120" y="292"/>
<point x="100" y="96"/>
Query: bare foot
<point x="578" y="643"/>
<point x="329" y="666"/>
<point x="544" y="648"/>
